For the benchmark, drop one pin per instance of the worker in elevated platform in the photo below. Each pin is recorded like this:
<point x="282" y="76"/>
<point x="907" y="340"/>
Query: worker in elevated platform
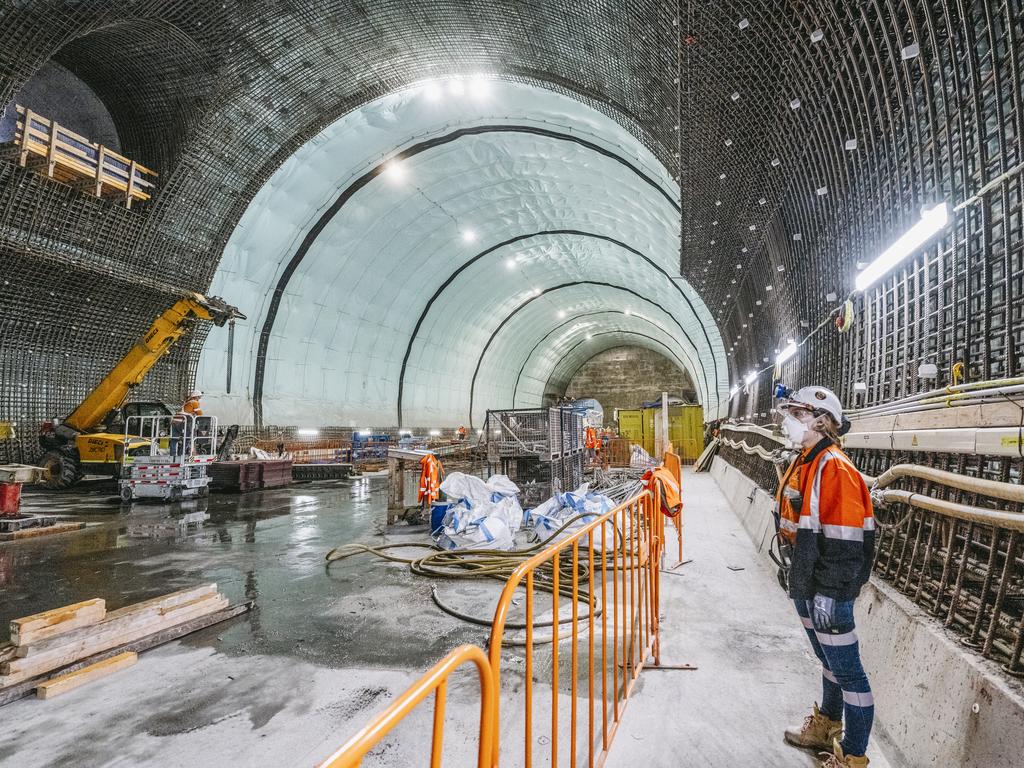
<point x="825" y="517"/>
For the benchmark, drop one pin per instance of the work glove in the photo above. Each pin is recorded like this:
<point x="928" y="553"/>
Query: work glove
<point x="824" y="613"/>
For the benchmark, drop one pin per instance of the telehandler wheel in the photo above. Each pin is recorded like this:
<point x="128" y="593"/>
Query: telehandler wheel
<point x="63" y="470"/>
<point x="126" y="494"/>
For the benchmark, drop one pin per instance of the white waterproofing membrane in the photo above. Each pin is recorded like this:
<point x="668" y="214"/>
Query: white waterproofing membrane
<point x="349" y="310"/>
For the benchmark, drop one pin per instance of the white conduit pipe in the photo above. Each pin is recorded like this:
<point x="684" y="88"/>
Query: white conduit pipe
<point x="750" y="450"/>
<point x="995" y="384"/>
<point x="754" y="429"/>
<point x="993" y="488"/>
<point x="949" y="401"/>
<point x="1009" y="520"/>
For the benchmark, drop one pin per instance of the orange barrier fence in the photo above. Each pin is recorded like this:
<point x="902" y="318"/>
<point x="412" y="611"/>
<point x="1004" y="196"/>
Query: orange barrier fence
<point x="611" y="567"/>
<point x="435" y="681"/>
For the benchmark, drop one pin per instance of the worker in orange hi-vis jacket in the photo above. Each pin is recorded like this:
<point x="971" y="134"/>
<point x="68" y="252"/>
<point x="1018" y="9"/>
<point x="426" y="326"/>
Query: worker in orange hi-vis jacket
<point x="192" y="404"/>
<point x="825" y="520"/>
<point x="591" y="443"/>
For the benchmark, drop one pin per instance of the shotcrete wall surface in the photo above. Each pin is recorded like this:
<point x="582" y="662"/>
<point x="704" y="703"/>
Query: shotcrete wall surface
<point x="625" y="377"/>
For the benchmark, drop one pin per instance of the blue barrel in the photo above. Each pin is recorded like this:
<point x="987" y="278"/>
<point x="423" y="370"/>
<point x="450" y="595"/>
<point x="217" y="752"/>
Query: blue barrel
<point x="438" y="509"/>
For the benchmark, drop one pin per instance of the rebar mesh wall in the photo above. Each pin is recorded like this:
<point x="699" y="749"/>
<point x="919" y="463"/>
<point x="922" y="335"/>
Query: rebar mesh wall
<point x="837" y="122"/>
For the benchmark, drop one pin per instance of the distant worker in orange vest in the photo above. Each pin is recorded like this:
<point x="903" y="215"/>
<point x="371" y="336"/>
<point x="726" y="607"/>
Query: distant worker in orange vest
<point x="460" y="433"/>
<point x="591" y="443"/>
<point x="192" y="404"/>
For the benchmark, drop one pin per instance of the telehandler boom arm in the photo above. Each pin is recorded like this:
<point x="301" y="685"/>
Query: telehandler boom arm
<point x="133" y="367"/>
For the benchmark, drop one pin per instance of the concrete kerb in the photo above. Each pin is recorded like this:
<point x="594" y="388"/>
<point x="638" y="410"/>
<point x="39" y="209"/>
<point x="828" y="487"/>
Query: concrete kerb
<point x="937" y="703"/>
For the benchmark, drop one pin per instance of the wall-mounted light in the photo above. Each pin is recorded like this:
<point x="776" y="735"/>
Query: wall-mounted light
<point x="750" y="378"/>
<point x="787" y="352"/>
<point x="932" y="220"/>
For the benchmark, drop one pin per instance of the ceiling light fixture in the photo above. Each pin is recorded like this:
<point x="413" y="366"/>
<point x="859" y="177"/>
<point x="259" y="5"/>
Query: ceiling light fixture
<point x="394" y="170"/>
<point x="468" y="235"/>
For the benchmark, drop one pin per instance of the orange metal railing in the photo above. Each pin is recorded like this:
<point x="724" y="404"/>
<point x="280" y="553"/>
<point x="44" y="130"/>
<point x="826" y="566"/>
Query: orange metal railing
<point x="611" y="567"/>
<point x="616" y="557"/>
<point x="435" y="681"/>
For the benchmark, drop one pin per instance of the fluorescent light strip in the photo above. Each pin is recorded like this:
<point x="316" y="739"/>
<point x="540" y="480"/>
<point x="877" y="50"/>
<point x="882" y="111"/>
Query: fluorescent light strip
<point x="787" y="353"/>
<point x="932" y="220"/>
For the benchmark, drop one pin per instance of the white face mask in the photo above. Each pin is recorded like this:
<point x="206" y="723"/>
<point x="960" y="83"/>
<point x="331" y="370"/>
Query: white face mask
<point x="794" y="430"/>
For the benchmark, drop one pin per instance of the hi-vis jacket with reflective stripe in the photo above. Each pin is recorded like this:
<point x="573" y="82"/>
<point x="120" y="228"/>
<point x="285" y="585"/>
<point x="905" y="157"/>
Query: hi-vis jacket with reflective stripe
<point x="668" y="487"/>
<point x="825" y="511"/>
<point x="431" y="472"/>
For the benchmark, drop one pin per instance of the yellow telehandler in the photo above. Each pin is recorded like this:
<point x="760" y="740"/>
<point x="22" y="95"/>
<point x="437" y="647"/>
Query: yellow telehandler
<point x="93" y="438"/>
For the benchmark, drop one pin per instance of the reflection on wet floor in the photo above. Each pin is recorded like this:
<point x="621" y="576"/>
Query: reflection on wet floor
<point x="266" y="545"/>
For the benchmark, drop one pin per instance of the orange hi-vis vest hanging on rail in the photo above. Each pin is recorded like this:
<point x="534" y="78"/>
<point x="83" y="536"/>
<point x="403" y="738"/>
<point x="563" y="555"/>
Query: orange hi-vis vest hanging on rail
<point x="430" y="479"/>
<point x="663" y="483"/>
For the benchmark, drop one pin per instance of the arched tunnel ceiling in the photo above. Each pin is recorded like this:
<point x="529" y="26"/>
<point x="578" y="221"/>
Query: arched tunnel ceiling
<point x="805" y="137"/>
<point x="363" y="287"/>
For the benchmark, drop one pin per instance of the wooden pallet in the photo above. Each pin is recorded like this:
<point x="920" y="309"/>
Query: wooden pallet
<point x="61" y="154"/>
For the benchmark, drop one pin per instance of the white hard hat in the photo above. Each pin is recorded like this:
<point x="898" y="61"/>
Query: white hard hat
<point x="195" y="393"/>
<point x="815" y="399"/>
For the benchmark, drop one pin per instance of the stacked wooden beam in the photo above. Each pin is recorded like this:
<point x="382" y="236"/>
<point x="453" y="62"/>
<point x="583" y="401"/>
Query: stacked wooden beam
<point x="57" y="639"/>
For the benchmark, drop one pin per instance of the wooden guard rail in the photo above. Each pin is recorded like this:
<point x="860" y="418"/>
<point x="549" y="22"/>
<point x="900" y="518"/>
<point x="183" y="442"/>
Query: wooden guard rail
<point x="71" y="158"/>
<point x="611" y="567"/>
<point x="435" y="681"/>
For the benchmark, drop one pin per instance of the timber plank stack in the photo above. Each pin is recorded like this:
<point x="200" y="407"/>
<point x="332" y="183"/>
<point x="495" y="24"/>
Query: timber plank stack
<point x="50" y="641"/>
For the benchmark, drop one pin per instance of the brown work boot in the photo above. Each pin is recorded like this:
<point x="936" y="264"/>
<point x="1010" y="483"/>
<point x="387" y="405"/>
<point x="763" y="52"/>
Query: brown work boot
<point x="836" y="759"/>
<point x="817" y="732"/>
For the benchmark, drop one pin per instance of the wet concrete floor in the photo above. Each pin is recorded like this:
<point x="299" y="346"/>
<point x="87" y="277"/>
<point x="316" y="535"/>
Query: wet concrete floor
<point x="329" y="647"/>
<point x="323" y="648"/>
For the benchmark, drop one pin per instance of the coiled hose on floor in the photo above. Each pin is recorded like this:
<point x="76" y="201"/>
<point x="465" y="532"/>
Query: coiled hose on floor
<point x="499" y="564"/>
